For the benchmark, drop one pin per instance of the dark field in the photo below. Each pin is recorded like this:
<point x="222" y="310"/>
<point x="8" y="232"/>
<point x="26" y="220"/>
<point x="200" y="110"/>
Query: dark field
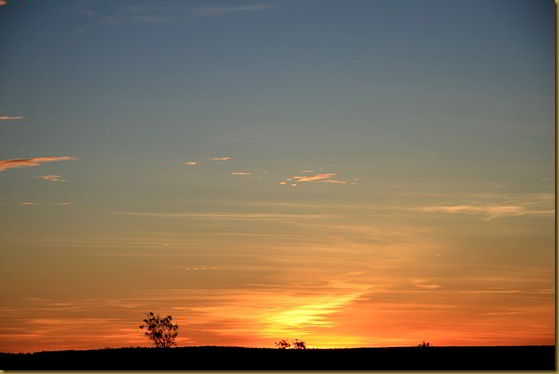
<point x="448" y="358"/>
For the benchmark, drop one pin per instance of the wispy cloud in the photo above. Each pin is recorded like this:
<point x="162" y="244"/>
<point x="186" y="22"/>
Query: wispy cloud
<point x="220" y="158"/>
<point x="130" y="13"/>
<point x="259" y="314"/>
<point x="9" y="118"/>
<point x="288" y="182"/>
<point x="214" y="11"/>
<point x="27" y="162"/>
<point x="321" y="178"/>
<point x="39" y="203"/>
<point x="227" y="216"/>
<point x="121" y="12"/>
<point x="134" y="16"/>
<point x="50" y="178"/>
<point x="423" y="283"/>
<point x="201" y="268"/>
<point x="313" y="178"/>
<point x="191" y="163"/>
<point x="241" y="173"/>
<point x="481" y="292"/>
<point x="491" y="211"/>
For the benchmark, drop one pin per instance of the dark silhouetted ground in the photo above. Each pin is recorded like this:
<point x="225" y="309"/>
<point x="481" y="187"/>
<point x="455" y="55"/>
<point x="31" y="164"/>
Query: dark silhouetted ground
<point x="215" y="358"/>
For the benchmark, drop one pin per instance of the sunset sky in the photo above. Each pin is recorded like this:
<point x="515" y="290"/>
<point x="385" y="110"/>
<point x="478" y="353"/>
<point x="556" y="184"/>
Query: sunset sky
<point x="348" y="173"/>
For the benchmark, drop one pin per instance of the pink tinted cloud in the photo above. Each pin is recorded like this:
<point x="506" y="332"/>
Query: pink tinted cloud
<point x="313" y="178"/>
<point x="191" y="163"/>
<point x="8" y="118"/>
<point x="27" y="162"/>
<point x="50" y="178"/>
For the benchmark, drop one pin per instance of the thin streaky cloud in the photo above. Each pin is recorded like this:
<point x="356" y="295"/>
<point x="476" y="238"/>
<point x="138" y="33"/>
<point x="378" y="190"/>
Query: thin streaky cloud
<point x="333" y="181"/>
<point x="28" y="203"/>
<point x="51" y="178"/>
<point x="9" y="118"/>
<point x="241" y="173"/>
<point x="201" y="268"/>
<point x="227" y="216"/>
<point x="424" y="284"/>
<point x="312" y="178"/>
<point x="28" y="162"/>
<point x="191" y="163"/>
<point x="492" y="211"/>
<point x="491" y="292"/>
<point x="121" y="13"/>
<point x="322" y="178"/>
<point x="213" y="11"/>
<point x="220" y="158"/>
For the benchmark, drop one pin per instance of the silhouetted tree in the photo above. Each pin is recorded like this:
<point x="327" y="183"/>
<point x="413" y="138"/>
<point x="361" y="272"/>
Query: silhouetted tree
<point x="283" y="344"/>
<point x="299" y="344"/>
<point x="160" y="330"/>
<point x="425" y="344"/>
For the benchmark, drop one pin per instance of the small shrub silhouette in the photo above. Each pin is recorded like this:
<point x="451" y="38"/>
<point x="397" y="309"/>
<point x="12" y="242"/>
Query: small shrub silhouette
<point x="299" y="344"/>
<point x="283" y="344"/>
<point x="425" y="345"/>
<point x="160" y="330"/>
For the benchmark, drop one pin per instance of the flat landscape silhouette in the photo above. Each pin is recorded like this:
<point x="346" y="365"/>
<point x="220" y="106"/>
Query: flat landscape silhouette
<point x="239" y="358"/>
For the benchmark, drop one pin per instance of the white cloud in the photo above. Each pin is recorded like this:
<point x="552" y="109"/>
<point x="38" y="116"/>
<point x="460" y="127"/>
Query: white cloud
<point x="220" y="158"/>
<point x="50" y="178"/>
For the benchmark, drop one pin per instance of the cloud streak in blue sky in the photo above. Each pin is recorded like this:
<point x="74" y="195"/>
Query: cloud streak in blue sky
<point x="10" y="118"/>
<point x="216" y="11"/>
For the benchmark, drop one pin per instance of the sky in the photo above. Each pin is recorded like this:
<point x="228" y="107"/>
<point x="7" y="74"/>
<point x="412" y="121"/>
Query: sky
<point x="348" y="173"/>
